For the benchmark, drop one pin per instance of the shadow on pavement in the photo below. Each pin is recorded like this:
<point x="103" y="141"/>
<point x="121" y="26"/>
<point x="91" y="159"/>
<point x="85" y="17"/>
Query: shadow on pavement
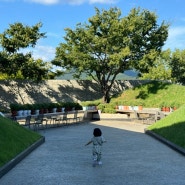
<point x="130" y="157"/>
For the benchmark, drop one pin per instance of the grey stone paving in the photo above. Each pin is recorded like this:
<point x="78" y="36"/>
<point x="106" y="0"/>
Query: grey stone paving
<point x="130" y="157"/>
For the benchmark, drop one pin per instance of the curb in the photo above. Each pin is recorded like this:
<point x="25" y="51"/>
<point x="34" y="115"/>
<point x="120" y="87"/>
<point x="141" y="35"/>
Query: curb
<point x="115" y="119"/>
<point x="8" y="166"/>
<point x="166" y="142"/>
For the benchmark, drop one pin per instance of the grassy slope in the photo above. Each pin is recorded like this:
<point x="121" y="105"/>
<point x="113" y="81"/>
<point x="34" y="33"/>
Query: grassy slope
<point x="154" y="94"/>
<point x="14" y="139"/>
<point x="172" y="127"/>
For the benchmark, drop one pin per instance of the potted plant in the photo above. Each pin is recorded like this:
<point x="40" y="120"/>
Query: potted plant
<point x="167" y="107"/>
<point x="68" y="106"/>
<point x="162" y="106"/>
<point x="54" y="107"/>
<point x="41" y="108"/>
<point x="24" y="108"/>
<point x="174" y="106"/>
<point x="29" y="106"/>
<point x="85" y="105"/>
<point x="20" y="110"/>
<point x="36" y="107"/>
<point x="33" y="108"/>
<point x="45" y="107"/>
<point x="77" y="106"/>
<point x="14" y="107"/>
<point x="61" y="107"/>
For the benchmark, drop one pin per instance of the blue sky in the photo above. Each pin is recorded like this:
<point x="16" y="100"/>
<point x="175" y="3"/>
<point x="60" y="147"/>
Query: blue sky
<point x="56" y="15"/>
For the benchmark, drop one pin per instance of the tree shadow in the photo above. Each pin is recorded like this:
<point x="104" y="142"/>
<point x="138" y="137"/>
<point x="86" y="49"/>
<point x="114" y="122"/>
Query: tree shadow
<point x="151" y="88"/>
<point x="24" y="91"/>
<point x="86" y="91"/>
<point x="126" y="152"/>
<point x="121" y="85"/>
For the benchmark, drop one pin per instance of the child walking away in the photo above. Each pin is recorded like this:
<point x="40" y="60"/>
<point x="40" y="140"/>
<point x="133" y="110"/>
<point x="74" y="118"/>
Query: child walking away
<point x="97" y="142"/>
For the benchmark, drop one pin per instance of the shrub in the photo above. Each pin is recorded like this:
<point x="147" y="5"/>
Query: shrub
<point x="101" y="107"/>
<point x="109" y="110"/>
<point x="15" y="106"/>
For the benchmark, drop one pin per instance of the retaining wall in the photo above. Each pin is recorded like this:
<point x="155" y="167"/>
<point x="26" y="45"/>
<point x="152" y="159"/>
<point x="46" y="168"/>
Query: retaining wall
<point x="22" y="91"/>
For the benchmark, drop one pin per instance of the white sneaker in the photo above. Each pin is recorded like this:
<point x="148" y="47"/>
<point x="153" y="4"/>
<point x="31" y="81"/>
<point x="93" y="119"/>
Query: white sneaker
<point x="99" y="162"/>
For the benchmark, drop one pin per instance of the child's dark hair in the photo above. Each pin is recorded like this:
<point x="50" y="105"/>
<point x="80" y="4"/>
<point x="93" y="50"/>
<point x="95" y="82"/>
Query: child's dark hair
<point x="97" y="132"/>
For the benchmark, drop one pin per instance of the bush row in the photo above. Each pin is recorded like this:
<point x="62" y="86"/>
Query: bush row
<point x="36" y="106"/>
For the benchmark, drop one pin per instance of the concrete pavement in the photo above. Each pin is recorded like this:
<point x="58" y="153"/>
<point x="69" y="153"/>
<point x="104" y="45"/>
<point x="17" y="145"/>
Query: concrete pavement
<point x="130" y="157"/>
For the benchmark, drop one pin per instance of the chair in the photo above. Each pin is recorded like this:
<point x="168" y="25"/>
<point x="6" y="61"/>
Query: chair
<point x="45" y="120"/>
<point x="39" y="121"/>
<point x="159" y="115"/>
<point x="53" y="119"/>
<point x="57" y="119"/>
<point x="29" y="121"/>
<point x="155" y="117"/>
<point x="137" y="117"/>
<point x="64" y="118"/>
<point x="76" y="117"/>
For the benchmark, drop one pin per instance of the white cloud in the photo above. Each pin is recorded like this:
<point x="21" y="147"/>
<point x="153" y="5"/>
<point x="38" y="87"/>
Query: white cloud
<point x="46" y="53"/>
<point x="176" y="38"/>
<point x="176" y="32"/>
<point x="71" y="2"/>
<point x="46" y="2"/>
<point x="103" y="1"/>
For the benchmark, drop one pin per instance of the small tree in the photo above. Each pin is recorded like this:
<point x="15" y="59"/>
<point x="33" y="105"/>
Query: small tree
<point x="161" y="69"/>
<point x="16" y="64"/>
<point x="109" y="45"/>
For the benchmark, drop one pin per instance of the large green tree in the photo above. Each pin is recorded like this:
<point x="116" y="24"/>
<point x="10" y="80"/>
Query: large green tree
<point x="177" y="64"/>
<point x="110" y="44"/>
<point x="13" y="62"/>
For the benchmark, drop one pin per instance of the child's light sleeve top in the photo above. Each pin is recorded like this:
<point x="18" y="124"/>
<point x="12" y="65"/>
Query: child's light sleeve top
<point x="98" y="140"/>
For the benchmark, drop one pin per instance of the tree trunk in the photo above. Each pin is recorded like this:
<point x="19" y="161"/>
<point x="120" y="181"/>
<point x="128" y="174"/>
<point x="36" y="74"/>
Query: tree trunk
<point x="106" y="97"/>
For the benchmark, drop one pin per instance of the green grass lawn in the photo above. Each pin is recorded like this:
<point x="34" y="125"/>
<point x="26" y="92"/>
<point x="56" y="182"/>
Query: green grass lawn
<point x="14" y="139"/>
<point x="172" y="127"/>
<point x="154" y="94"/>
<point x="151" y="95"/>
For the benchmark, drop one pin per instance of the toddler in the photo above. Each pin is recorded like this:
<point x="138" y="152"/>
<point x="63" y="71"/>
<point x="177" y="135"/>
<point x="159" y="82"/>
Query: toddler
<point x="97" y="142"/>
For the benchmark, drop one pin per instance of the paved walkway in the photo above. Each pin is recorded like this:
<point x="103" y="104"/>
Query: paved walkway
<point x="130" y="157"/>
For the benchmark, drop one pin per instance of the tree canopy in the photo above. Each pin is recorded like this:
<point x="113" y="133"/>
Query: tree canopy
<point x="168" y="66"/>
<point x="110" y="44"/>
<point x="161" y="68"/>
<point x="20" y="36"/>
<point x="177" y="64"/>
<point x="16" y="64"/>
